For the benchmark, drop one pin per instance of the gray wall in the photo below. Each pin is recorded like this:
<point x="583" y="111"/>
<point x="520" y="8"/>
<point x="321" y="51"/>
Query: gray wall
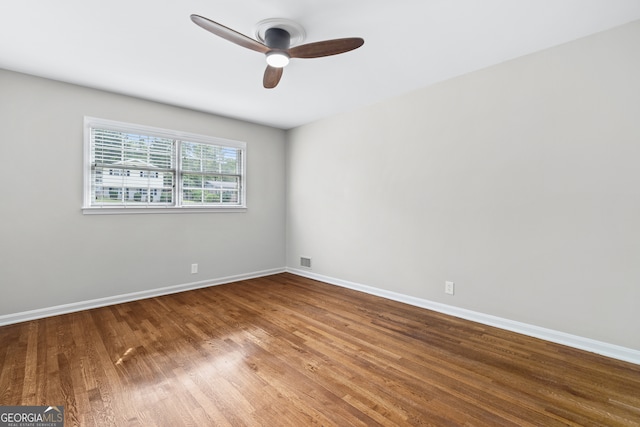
<point x="520" y="183"/>
<point x="52" y="254"/>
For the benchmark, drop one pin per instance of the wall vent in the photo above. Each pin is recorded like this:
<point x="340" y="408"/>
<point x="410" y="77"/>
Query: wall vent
<point x="305" y="262"/>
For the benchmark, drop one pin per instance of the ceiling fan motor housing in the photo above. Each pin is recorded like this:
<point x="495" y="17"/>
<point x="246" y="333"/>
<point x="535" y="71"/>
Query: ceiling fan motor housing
<point x="277" y="38"/>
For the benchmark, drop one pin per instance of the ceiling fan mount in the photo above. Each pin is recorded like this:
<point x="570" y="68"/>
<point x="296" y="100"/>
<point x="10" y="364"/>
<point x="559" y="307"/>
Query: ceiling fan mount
<point x="296" y="31"/>
<point x="279" y="40"/>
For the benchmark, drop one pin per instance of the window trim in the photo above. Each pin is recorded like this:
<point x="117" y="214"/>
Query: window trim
<point x="89" y="209"/>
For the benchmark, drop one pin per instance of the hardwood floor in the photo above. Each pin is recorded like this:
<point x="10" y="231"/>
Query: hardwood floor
<point x="285" y="350"/>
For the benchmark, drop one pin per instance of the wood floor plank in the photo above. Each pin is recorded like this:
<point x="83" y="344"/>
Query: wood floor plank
<point x="288" y="351"/>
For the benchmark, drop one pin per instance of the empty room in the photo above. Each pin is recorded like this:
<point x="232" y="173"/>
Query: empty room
<point x="336" y="213"/>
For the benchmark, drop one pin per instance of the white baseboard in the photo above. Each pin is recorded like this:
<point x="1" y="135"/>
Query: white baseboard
<point x="40" y="313"/>
<point x="587" y="344"/>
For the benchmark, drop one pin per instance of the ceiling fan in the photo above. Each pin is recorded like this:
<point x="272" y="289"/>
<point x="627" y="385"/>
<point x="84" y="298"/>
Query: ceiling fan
<point x="277" y="46"/>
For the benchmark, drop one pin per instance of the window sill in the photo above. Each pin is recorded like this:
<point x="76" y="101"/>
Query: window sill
<point x="107" y="210"/>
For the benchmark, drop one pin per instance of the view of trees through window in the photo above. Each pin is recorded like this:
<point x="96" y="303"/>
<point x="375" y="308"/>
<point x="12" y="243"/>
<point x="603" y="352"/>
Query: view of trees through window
<point x="209" y="174"/>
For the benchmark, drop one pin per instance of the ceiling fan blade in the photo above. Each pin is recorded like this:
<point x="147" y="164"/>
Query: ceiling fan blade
<point x="325" y="48"/>
<point x="229" y="34"/>
<point x="272" y="77"/>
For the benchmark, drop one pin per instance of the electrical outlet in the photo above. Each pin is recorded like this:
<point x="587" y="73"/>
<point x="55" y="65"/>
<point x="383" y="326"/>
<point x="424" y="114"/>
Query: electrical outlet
<point x="194" y="268"/>
<point x="448" y="287"/>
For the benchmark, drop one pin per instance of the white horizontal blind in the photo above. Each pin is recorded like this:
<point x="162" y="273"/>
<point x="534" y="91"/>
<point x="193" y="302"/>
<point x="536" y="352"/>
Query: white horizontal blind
<point x="210" y="174"/>
<point x="129" y="169"/>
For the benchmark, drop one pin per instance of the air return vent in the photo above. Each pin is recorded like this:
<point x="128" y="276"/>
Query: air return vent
<point x="305" y="262"/>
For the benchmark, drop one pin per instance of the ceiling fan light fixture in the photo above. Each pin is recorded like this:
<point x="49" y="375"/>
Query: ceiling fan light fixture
<point x="277" y="59"/>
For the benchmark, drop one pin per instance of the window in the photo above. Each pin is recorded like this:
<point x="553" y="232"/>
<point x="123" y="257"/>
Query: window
<point x="134" y="168"/>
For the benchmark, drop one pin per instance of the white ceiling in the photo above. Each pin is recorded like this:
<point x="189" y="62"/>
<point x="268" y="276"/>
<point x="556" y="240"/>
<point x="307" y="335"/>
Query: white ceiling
<point x="151" y="49"/>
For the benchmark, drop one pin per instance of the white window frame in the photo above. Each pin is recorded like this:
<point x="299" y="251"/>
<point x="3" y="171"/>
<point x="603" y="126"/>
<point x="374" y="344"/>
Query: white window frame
<point x="177" y="206"/>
